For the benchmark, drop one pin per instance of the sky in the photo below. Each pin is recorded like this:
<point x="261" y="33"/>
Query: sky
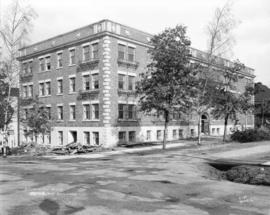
<point x="252" y="34"/>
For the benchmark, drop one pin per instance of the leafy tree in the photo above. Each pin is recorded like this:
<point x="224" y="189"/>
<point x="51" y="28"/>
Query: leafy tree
<point x="37" y="121"/>
<point x="262" y="93"/>
<point x="169" y="81"/>
<point x="247" y="102"/>
<point x="227" y="102"/>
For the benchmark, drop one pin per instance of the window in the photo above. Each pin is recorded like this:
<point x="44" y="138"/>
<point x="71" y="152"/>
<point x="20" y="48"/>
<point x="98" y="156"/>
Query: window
<point x="86" y="111"/>
<point x="95" y="81"/>
<point x="48" y="63"/>
<point x="60" y="86"/>
<point x="158" y="134"/>
<point x="86" y="82"/>
<point x="59" y="60"/>
<point x="86" y="135"/>
<point x="72" y="84"/>
<point x="131" y="110"/>
<point x="43" y="138"/>
<point x="41" y="89"/>
<point x="30" y="90"/>
<point x="95" y="51"/>
<point x="48" y="88"/>
<point x="96" y="138"/>
<point x="122" y="136"/>
<point x="60" y="137"/>
<point x="174" y="134"/>
<point x="120" y="111"/>
<point x="26" y="113"/>
<point x="148" y="135"/>
<point x="41" y="64"/>
<point x="25" y="134"/>
<point x="72" y="57"/>
<point x="72" y="109"/>
<point x="24" y="68"/>
<point x="95" y="111"/>
<point x="25" y="91"/>
<point x="49" y="137"/>
<point x="86" y="53"/>
<point x="121" y="82"/>
<point x="213" y="130"/>
<point x="48" y="109"/>
<point x="131" y="82"/>
<point x="192" y="132"/>
<point x="181" y="133"/>
<point x="176" y="115"/>
<point x="60" y="112"/>
<point x="131" y="54"/>
<point x="218" y="131"/>
<point x="131" y="136"/>
<point x="126" y="111"/>
<point x="121" y="52"/>
<point x="30" y="67"/>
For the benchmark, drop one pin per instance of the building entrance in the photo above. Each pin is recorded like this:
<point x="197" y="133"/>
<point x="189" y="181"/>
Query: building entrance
<point x="205" y="123"/>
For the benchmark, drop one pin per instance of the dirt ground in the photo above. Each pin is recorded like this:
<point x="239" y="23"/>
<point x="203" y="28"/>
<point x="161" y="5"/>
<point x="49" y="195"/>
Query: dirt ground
<point x="175" y="182"/>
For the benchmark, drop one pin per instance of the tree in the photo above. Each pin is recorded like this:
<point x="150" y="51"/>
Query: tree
<point x="17" y="24"/>
<point x="262" y="94"/>
<point x="5" y="106"/>
<point x="247" y="102"/>
<point x="37" y="121"/>
<point x="227" y="102"/>
<point x="167" y="85"/>
<point x="220" y="41"/>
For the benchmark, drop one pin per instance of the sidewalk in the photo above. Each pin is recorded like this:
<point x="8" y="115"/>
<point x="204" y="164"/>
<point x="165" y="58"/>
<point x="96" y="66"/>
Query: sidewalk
<point x="240" y="153"/>
<point x="118" y="151"/>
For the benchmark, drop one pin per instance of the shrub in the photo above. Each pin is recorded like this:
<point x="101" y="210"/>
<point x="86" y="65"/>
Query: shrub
<point x="251" y="135"/>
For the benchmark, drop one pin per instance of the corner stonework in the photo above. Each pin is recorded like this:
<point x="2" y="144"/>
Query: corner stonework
<point x="108" y="139"/>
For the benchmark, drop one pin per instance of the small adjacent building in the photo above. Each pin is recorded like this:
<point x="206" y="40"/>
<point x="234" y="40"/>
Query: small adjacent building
<point x="86" y="78"/>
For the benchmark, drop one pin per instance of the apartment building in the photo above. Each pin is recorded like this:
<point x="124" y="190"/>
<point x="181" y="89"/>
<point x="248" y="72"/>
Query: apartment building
<point x="86" y="78"/>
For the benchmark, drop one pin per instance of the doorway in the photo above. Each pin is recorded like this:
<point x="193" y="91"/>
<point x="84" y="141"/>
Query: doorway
<point x="205" y="124"/>
<point x="73" y="136"/>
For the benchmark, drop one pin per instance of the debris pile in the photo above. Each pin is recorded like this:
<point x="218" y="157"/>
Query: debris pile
<point x="75" y="148"/>
<point x="32" y="148"/>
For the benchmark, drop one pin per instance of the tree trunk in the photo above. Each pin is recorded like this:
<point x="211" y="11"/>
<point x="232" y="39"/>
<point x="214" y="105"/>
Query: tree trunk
<point x="165" y="129"/>
<point x="225" y="127"/>
<point x="199" y="129"/>
<point x="245" y="121"/>
<point x="262" y="114"/>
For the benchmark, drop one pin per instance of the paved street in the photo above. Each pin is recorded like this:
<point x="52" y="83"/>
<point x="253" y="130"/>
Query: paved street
<point x="175" y="182"/>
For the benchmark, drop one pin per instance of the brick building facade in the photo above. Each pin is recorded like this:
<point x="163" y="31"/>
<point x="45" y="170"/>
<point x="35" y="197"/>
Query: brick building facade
<point x="86" y="78"/>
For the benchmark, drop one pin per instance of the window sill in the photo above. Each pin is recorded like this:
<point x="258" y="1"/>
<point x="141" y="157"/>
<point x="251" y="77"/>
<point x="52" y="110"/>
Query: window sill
<point x="45" y="96"/>
<point x="60" y="94"/>
<point x="90" y="120"/>
<point x="59" y="67"/>
<point x="72" y="93"/>
<point x="72" y="65"/>
<point x="59" y="120"/>
<point x="127" y="120"/>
